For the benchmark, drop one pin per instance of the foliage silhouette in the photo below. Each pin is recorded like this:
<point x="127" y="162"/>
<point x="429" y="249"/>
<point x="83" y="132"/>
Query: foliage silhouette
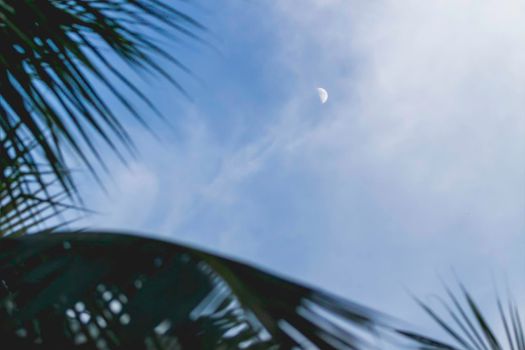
<point x="27" y="197"/>
<point x="54" y="56"/>
<point x="109" y="291"/>
<point x="468" y="328"/>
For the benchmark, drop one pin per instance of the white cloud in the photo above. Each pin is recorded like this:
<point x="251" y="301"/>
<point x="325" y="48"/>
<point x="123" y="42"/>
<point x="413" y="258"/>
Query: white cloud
<point x="415" y="165"/>
<point x="134" y="187"/>
<point x="425" y="136"/>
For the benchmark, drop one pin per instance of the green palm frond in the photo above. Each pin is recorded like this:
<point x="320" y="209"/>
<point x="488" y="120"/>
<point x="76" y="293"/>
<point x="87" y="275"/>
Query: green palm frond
<point x="54" y="52"/>
<point x="110" y="291"/>
<point x="28" y="197"/>
<point x="468" y="328"/>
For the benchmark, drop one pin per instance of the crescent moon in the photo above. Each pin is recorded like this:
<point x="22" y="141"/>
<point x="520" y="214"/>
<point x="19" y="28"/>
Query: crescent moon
<point x="323" y="95"/>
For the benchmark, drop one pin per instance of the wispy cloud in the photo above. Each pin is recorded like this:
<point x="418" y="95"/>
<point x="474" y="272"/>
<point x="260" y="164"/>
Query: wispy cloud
<point x="415" y="165"/>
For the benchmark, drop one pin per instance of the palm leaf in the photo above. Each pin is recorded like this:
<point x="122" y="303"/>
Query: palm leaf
<point x="28" y="197"/>
<point x="468" y="327"/>
<point x="107" y="291"/>
<point x="52" y="55"/>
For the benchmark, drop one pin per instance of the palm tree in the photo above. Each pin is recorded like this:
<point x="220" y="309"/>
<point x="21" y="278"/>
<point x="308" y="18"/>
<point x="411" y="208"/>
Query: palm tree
<point x="114" y="291"/>
<point x="468" y="328"/>
<point x="52" y="53"/>
<point x="27" y="195"/>
<point x="111" y="291"/>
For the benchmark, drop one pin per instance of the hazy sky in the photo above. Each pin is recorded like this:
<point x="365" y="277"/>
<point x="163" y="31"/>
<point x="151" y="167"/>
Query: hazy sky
<point x="415" y="166"/>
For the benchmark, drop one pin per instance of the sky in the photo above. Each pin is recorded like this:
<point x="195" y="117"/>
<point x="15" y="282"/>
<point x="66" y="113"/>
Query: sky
<point x="413" y="171"/>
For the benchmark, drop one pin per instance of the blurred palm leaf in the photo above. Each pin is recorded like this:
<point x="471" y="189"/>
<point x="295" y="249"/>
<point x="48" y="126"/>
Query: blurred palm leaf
<point x="469" y="329"/>
<point x="53" y="52"/>
<point x="110" y="291"/>
<point x="27" y="195"/>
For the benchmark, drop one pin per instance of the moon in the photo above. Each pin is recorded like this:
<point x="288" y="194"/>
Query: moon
<point x="323" y="95"/>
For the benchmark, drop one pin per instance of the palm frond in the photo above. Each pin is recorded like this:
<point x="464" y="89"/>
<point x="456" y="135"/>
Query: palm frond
<point x="54" y="56"/>
<point x="28" y="197"/>
<point x="467" y="326"/>
<point x="110" y="291"/>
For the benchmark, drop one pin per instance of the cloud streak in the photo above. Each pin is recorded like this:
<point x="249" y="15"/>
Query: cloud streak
<point x="415" y="164"/>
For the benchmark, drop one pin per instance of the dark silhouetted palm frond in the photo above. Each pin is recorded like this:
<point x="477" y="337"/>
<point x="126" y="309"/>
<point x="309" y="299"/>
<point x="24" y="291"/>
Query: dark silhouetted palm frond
<point x="469" y="329"/>
<point x="27" y="195"/>
<point x="58" y="61"/>
<point x="107" y="291"/>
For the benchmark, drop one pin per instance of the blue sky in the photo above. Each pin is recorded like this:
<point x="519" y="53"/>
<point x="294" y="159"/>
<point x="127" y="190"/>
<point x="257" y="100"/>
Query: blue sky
<point x="415" y="166"/>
